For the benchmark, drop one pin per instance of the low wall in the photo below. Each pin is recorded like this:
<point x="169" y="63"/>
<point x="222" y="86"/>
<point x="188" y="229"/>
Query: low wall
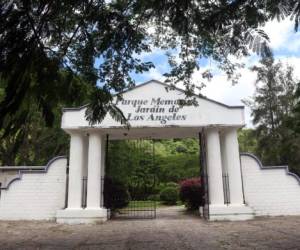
<point x="270" y="190"/>
<point x="35" y="194"/>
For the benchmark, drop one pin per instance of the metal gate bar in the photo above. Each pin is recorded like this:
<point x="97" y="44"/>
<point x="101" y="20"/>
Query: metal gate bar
<point x="139" y="207"/>
<point x="226" y="189"/>
<point x="204" y="174"/>
<point x="137" y="210"/>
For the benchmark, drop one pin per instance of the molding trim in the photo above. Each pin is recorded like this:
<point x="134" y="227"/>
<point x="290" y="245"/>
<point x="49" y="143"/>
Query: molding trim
<point x="33" y="171"/>
<point x="271" y="167"/>
<point x="167" y="86"/>
<point x="75" y="108"/>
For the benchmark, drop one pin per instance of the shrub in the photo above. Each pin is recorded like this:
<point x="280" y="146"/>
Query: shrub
<point x="116" y="194"/>
<point x="169" y="195"/>
<point x="153" y="197"/>
<point x="172" y="184"/>
<point x="191" y="193"/>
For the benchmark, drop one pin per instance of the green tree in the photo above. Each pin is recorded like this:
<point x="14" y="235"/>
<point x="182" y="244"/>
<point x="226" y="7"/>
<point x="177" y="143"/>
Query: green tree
<point x="39" y="39"/>
<point x="297" y="110"/>
<point x="29" y="141"/>
<point x="273" y="108"/>
<point x="247" y="141"/>
<point x="133" y="162"/>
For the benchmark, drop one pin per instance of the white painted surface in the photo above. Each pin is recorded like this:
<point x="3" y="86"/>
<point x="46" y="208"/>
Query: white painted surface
<point x="231" y="162"/>
<point x="93" y="152"/>
<point x="96" y="142"/>
<point x="76" y="170"/>
<point x="151" y="105"/>
<point x="230" y="212"/>
<point x="214" y="167"/>
<point x="81" y="216"/>
<point x="37" y="195"/>
<point x="270" y="191"/>
<point x="153" y="112"/>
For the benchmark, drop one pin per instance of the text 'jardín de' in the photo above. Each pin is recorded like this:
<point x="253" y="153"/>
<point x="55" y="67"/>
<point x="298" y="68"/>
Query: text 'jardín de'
<point x="156" y="109"/>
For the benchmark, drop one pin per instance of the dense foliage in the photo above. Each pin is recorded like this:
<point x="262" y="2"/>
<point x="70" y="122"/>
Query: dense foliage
<point x="191" y="193"/>
<point x="247" y="141"/>
<point x="145" y="174"/>
<point x="116" y="194"/>
<point x="100" y="42"/>
<point x="29" y="141"/>
<point x="274" y="112"/>
<point x="169" y="195"/>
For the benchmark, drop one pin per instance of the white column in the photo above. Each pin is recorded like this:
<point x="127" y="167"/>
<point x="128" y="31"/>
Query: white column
<point x="232" y="161"/>
<point x="214" y="167"/>
<point x="75" y="170"/>
<point x="94" y="170"/>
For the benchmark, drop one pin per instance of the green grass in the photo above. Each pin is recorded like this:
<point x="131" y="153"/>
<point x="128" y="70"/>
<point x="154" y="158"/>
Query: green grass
<point x="144" y="204"/>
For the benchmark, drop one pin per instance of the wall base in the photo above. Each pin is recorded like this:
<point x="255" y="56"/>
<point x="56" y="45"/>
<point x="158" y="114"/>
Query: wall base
<point x="81" y="216"/>
<point x="230" y="212"/>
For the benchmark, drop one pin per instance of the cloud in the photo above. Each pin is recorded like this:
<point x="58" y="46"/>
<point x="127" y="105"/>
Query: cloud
<point x="222" y="90"/>
<point x="155" y="73"/>
<point x="282" y="35"/>
<point x="285" y="44"/>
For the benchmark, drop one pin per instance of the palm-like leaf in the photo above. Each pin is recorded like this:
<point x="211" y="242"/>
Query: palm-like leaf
<point x="117" y="114"/>
<point x="257" y="41"/>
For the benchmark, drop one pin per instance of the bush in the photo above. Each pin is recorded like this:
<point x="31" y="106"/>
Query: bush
<point x="153" y="197"/>
<point x="116" y="194"/>
<point x="172" y="184"/>
<point x="169" y="195"/>
<point x="191" y="193"/>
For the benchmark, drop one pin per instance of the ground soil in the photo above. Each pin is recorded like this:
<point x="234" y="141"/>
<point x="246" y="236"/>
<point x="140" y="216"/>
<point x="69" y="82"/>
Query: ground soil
<point x="172" y="229"/>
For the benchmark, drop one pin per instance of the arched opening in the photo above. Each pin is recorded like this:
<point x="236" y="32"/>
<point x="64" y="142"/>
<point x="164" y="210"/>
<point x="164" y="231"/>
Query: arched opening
<point x="143" y="176"/>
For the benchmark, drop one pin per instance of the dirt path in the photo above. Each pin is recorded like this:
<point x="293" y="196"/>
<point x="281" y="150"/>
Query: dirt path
<point x="173" y="229"/>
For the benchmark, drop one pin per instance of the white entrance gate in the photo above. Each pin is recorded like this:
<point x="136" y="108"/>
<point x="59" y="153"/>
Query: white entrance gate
<point x="154" y="112"/>
<point x="28" y="192"/>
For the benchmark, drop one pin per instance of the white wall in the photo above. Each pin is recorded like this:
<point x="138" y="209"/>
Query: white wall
<point x="37" y="195"/>
<point x="270" y="190"/>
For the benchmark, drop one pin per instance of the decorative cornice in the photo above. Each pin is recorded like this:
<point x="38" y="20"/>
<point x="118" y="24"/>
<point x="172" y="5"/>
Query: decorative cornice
<point x="33" y="171"/>
<point x="165" y="85"/>
<point x="271" y="167"/>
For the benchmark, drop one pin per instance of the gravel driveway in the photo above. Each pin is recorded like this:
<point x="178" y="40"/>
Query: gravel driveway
<point x="171" y="230"/>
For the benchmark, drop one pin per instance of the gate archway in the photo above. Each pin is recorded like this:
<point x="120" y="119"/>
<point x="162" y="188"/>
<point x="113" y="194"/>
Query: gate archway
<point x="154" y="111"/>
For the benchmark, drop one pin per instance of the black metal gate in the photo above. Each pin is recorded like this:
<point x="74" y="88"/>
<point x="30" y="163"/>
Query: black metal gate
<point x="136" y="163"/>
<point x="204" y="175"/>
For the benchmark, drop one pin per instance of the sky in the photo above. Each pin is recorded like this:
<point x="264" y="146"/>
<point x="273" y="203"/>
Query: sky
<point x="284" y="42"/>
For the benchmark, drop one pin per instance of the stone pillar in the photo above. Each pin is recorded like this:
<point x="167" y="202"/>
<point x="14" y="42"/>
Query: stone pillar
<point x="214" y="167"/>
<point x="96" y="143"/>
<point x="231" y="159"/>
<point x="75" y="170"/>
<point x="93" y="213"/>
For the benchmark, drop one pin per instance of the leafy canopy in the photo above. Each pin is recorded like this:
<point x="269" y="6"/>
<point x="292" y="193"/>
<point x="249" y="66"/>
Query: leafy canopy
<point x="274" y="107"/>
<point x="100" y="42"/>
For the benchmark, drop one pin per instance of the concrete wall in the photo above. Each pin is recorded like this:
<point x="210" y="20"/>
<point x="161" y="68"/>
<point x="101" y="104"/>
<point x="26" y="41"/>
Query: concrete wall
<point x="35" y="194"/>
<point x="7" y="176"/>
<point x="270" y="190"/>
